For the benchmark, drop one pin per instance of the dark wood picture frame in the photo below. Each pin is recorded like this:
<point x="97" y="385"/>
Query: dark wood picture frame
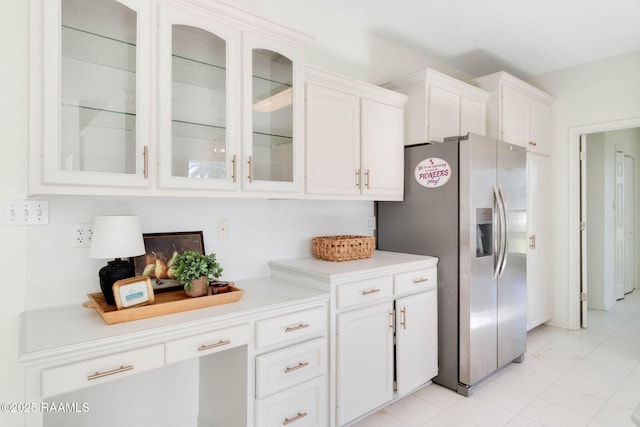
<point x="160" y="249"/>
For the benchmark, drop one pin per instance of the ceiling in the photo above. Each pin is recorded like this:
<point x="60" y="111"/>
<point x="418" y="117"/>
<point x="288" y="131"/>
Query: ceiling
<point x="522" y="37"/>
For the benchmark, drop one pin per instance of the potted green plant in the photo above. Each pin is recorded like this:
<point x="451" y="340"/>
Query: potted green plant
<point x="195" y="271"/>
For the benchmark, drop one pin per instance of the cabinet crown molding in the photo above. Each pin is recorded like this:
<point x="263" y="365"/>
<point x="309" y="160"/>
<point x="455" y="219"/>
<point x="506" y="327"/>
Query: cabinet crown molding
<point x="250" y="21"/>
<point x="502" y="77"/>
<point x="444" y="81"/>
<point x="348" y="84"/>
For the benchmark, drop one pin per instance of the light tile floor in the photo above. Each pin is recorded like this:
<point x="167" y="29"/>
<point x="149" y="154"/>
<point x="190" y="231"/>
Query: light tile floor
<point x="589" y="377"/>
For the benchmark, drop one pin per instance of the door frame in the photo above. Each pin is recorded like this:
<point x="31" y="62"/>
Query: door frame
<point x="573" y="209"/>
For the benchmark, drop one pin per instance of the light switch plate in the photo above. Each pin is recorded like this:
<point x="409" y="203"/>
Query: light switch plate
<point x="25" y="212"/>
<point x="223" y="229"/>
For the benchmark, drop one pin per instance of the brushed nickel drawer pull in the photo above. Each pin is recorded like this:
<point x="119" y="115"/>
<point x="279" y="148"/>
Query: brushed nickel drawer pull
<point x="295" y="328"/>
<point x="371" y="291"/>
<point x="366" y="179"/>
<point x="250" y="163"/>
<point x="421" y="280"/>
<point x="358" y="178"/>
<point x="403" y="322"/>
<point x="220" y="343"/>
<point x="145" y="167"/>
<point x="295" y="368"/>
<point x="122" y="368"/>
<point x="234" y="159"/>
<point x="296" y="418"/>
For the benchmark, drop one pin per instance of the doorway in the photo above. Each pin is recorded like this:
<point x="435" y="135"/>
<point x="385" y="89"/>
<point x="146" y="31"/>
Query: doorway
<point x="577" y="236"/>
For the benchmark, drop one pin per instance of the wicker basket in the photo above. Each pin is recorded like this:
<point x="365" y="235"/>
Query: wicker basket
<point x="343" y="248"/>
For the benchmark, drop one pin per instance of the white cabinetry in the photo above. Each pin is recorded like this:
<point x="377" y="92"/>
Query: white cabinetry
<point x="383" y="327"/>
<point x="222" y="76"/>
<point x="521" y="114"/>
<point x="517" y="112"/>
<point x="539" y="233"/>
<point x="291" y="381"/>
<point x="262" y="361"/>
<point x="364" y="360"/>
<point x="440" y="106"/>
<point x="354" y="134"/>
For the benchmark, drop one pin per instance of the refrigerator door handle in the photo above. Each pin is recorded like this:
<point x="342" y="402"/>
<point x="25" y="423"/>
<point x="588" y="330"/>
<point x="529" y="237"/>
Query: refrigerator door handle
<point x="505" y="245"/>
<point x="497" y="232"/>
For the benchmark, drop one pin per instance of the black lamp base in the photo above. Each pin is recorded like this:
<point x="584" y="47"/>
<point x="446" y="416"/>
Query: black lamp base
<point x="112" y="272"/>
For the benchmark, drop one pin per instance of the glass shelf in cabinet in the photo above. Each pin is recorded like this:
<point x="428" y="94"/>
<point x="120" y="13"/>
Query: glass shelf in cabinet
<point x="97" y="49"/>
<point x="198" y="73"/>
<point x="96" y="117"/>
<point x="206" y="132"/>
<point x="262" y="139"/>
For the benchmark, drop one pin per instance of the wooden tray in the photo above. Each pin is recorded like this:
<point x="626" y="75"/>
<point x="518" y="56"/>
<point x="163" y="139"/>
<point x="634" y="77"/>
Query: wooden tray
<point x="165" y="303"/>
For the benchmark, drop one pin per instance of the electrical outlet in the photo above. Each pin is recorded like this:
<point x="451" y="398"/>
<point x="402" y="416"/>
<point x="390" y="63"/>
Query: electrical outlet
<point x="223" y="229"/>
<point x="81" y="234"/>
<point x="25" y="212"/>
<point x="370" y="223"/>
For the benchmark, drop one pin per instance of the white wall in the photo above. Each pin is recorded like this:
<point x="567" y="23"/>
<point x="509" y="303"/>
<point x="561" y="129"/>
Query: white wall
<point x="598" y="92"/>
<point x="13" y="184"/>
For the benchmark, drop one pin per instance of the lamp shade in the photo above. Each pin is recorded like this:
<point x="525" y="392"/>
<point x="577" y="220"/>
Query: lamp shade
<point x="116" y="236"/>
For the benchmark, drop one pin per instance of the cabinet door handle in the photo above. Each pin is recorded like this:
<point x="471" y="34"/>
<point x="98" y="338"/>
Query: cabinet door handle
<point x="233" y="167"/>
<point x="421" y="280"/>
<point x="533" y="143"/>
<point x="296" y="418"/>
<point x="370" y="291"/>
<point x="366" y="179"/>
<point x="220" y="343"/>
<point x="532" y="241"/>
<point x="295" y="328"/>
<point x="122" y="368"/>
<point x="403" y="322"/>
<point x="358" y="178"/>
<point x="145" y="163"/>
<point x="295" y="368"/>
<point x="250" y="163"/>
<point x="392" y="320"/>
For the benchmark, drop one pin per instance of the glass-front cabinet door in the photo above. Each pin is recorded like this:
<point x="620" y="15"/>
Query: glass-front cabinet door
<point x="96" y="91"/>
<point x="198" y="101"/>
<point x="273" y="107"/>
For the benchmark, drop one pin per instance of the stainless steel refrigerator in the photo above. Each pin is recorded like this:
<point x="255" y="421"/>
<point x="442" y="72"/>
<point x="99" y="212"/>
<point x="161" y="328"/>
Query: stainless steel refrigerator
<point x="465" y="202"/>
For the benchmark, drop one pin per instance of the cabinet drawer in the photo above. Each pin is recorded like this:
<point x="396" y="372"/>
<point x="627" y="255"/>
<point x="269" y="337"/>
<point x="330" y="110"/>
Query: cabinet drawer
<point x="207" y="343"/>
<point x="284" y="368"/>
<point x="102" y="369"/>
<point x="364" y="291"/>
<point x="300" y="406"/>
<point x="425" y="278"/>
<point x="291" y="326"/>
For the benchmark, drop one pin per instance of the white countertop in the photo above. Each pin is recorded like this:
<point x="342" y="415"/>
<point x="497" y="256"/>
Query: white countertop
<point x="75" y="328"/>
<point x="332" y="271"/>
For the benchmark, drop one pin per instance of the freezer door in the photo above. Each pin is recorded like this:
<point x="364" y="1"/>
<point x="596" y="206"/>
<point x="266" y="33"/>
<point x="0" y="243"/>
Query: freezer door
<point x="478" y="295"/>
<point x="512" y="290"/>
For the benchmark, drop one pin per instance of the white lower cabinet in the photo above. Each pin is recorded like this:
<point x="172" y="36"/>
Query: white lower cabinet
<point x="364" y="360"/>
<point x="99" y="370"/>
<point x="416" y="337"/>
<point x="261" y="362"/>
<point x="300" y="406"/>
<point x="291" y="373"/>
<point x="383" y="339"/>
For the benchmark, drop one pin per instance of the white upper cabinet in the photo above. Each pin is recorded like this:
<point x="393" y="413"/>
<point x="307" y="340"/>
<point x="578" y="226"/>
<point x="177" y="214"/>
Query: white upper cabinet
<point x="440" y="106"/>
<point x="199" y="126"/>
<point x="90" y="65"/>
<point x="354" y="138"/>
<point x="517" y="112"/>
<point x="164" y="97"/>
<point x="273" y="115"/>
